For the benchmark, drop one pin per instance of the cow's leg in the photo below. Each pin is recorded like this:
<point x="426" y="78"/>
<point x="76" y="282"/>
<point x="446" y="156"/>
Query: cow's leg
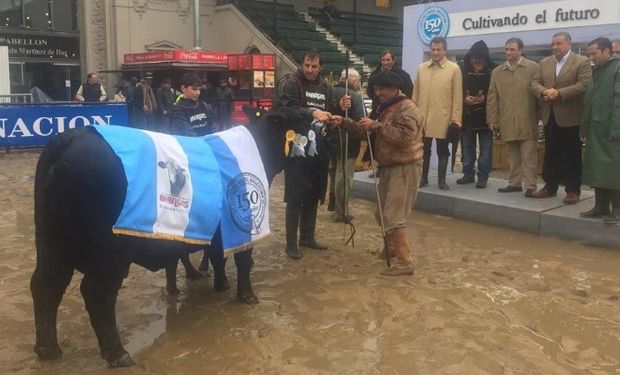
<point x="47" y="285"/>
<point x="171" y="279"/>
<point x="100" y="289"/>
<point x="220" y="281"/>
<point x="204" y="263"/>
<point x="190" y="271"/>
<point x="216" y="256"/>
<point x="244" y="262"/>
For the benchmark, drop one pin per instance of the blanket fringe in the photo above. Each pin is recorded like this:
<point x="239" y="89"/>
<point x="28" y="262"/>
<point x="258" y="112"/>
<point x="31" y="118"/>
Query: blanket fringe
<point x="244" y="247"/>
<point x="160" y="236"/>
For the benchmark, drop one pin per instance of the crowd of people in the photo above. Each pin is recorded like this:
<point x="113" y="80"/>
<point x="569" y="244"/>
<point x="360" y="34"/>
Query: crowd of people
<point x="577" y="98"/>
<point x="152" y="108"/>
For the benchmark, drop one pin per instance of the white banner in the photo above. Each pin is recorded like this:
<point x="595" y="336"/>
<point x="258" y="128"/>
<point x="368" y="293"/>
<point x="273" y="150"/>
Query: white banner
<point x="552" y="15"/>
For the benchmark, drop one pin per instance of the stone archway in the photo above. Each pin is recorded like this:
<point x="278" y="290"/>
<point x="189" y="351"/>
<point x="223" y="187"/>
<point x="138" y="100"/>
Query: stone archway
<point x="251" y="49"/>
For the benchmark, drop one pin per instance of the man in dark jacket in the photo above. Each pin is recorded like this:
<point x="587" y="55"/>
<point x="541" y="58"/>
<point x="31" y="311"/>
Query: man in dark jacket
<point x="305" y="168"/>
<point x="388" y="62"/>
<point x="165" y="101"/>
<point x="476" y="70"/>
<point x="341" y="142"/>
<point x="91" y="90"/>
<point x="600" y="129"/>
<point x="224" y="98"/>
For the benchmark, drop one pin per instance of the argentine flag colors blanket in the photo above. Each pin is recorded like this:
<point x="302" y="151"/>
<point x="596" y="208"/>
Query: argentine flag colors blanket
<point x="245" y="214"/>
<point x="183" y="188"/>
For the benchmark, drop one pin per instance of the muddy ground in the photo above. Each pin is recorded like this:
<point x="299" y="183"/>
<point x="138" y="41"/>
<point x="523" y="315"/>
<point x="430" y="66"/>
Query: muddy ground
<point x="483" y="300"/>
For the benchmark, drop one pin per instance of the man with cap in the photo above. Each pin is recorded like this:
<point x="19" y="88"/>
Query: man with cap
<point x="397" y="126"/>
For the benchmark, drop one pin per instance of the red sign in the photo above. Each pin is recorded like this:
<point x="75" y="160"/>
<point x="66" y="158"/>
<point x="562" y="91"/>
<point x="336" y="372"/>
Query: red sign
<point x="251" y="62"/>
<point x="184" y="56"/>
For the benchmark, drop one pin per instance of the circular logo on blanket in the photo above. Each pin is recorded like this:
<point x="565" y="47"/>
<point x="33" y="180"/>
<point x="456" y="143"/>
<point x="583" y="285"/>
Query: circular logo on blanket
<point x="247" y="199"/>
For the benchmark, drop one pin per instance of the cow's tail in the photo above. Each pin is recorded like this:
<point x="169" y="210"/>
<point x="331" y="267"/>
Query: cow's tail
<point x="44" y="181"/>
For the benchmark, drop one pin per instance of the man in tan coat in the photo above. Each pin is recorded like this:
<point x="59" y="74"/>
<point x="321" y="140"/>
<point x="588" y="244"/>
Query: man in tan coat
<point x="561" y="85"/>
<point x="512" y="108"/>
<point x="438" y="91"/>
<point x="398" y="147"/>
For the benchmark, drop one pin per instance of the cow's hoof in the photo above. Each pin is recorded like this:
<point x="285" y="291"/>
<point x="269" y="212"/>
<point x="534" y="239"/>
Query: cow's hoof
<point x="193" y="275"/>
<point x="221" y="285"/>
<point x="172" y="290"/>
<point x="247" y="298"/>
<point x="124" y="360"/>
<point x="47" y="353"/>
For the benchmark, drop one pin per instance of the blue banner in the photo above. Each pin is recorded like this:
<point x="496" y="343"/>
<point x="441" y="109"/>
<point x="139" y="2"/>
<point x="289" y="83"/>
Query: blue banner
<point x="30" y="125"/>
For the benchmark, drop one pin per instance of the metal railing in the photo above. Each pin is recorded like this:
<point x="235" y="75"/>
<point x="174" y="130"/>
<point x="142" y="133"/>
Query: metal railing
<point x="15" y="98"/>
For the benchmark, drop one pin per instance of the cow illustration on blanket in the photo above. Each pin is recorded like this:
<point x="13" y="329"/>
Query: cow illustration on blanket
<point x="95" y="214"/>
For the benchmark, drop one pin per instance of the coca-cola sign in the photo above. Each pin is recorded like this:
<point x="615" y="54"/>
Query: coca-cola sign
<point x="184" y="56"/>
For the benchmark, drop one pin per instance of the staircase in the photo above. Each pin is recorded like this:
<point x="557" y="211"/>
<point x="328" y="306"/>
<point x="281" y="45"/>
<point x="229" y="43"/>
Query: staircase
<point x="355" y="59"/>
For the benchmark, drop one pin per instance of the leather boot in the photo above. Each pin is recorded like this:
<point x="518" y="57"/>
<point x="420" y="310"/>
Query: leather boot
<point x="425" y="166"/>
<point x="601" y="204"/>
<point x="402" y="252"/>
<point x="307" y="226"/>
<point x="442" y="167"/>
<point x="389" y="243"/>
<point x="292" y="224"/>
<point x="614" y="216"/>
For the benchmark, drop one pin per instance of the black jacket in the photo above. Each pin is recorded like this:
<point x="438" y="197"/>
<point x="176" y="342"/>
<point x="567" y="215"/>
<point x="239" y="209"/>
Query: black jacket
<point x="190" y="118"/>
<point x="355" y="113"/>
<point x="475" y="83"/>
<point x="305" y="178"/>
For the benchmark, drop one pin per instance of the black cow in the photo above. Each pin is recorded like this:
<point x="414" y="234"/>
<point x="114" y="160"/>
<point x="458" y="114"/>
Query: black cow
<point x="80" y="188"/>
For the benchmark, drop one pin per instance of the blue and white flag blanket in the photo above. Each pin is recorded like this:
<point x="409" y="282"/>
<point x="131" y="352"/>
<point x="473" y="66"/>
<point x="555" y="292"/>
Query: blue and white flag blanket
<point x="183" y="188"/>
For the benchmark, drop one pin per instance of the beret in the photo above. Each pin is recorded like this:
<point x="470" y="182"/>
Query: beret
<point x="386" y="78"/>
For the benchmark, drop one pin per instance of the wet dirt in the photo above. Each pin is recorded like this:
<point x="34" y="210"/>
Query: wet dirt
<point x="483" y="300"/>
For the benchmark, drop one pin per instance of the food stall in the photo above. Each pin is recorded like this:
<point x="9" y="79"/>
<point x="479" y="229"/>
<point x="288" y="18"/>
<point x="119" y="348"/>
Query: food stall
<point x="253" y="80"/>
<point x="209" y="65"/>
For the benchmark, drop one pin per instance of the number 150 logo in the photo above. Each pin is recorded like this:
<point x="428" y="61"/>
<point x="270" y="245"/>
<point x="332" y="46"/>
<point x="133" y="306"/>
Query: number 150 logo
<point x="434" y="22"/>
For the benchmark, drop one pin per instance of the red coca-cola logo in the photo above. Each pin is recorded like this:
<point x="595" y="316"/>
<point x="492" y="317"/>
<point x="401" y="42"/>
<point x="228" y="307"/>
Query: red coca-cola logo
<point x="189" y="55"/>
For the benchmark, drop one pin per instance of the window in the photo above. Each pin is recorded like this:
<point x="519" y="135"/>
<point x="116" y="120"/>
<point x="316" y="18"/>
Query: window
<point x="37" y="14"/>
<point x="63" y="15"/>
<point x="10" y="13"/>
<point x="383" y="3"/>
<point x="16" y="73"/>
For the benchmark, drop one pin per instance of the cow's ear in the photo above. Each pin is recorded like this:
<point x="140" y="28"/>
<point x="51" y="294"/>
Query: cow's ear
<point x="161" y="164"/>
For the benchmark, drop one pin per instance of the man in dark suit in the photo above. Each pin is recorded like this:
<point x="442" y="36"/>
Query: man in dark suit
<point x="561" y="85"/>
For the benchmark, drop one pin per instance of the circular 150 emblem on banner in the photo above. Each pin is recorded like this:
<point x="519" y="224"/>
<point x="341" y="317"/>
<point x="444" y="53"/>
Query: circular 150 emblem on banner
<point x="434" y="22"/>
<point x="247" y="199"/>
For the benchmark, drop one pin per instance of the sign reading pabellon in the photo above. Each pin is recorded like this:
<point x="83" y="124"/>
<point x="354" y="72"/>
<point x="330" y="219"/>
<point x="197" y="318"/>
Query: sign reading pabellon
<point x="435" y="21"/>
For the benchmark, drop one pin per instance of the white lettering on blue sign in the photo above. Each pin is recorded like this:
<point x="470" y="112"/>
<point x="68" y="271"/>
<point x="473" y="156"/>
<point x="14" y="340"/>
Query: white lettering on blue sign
<point x="20" y="129"/>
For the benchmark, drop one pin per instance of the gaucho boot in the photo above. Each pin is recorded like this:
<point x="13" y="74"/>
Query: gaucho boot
<point x="402" y="252"/>
<point x="389" y="242"/>
<point x="425" y="166"/>
<point x="441" y="171"/>
<point x="614" y="217"/>
<point x="292" y="224"/>
<point x="307" y="226"/>
<point x="601" y="204"/>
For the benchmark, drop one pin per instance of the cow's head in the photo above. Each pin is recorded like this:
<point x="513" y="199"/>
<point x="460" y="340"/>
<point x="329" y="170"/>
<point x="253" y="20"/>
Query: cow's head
<point x="269" y="132"/>
<point x="177" y="176"/>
